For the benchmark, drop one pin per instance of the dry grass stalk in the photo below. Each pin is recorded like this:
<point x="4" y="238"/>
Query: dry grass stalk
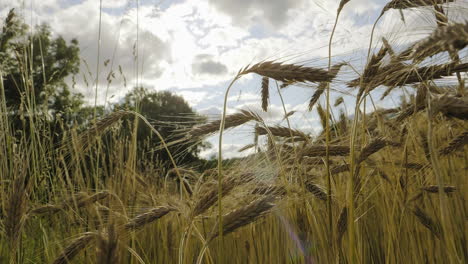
<point x="288" y="72"/>
<point x="243" y="216"/>
<point x="279" y="131"/>
<point x="231" y="121"/>
<point x="75" y="247"/>
<point x="427" y="221"/>
<point x="265" y="93"/>
<point x="457" y="143"/>
<point x="342" y="224"/>
<point x="451" y="106"/>
<point x="316" y="190"/>
<point x="319" y="151"/>
<point x="323" y="85"/>
<point x="450" y="38"/>
<point x="148" y="217"/>
<point x="435" y="189"/>
<point x="107" y="246"/>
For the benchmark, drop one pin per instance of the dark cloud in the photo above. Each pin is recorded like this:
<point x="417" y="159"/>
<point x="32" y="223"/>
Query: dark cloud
<point x="204" y="64"/>
<point x="274" y="12"/>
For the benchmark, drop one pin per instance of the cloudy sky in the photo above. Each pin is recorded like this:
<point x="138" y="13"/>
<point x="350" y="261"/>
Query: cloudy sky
<point x="195" y="47"/>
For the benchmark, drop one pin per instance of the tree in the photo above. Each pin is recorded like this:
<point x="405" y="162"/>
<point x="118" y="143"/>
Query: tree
<point x="170" y="115"/>
<point x="34" y="67"/>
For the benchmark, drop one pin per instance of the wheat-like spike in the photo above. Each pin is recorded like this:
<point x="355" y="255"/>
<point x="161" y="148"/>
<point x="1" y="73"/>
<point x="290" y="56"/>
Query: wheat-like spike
<point x="321" y="87"/>
<point x="342" y="224"/>
<point x="148" y="217"/>
<point x="288" y="72"/>
<point x="457" y="143"/>
<point x="80" y="200"/>
<point x="369" y="72"/>
<point x="7" y="30"/>
<point x="75" y="247"/>
<point x="279" y="131"/>
<point x="319" y="151"/>
<point x="231" y="121"/>
<point x="265" y="93"/>
<point x="435" y="189"/>
<point x="316" y="190"/>
<point x="447" y="38"/>
<point x="246" y="147"/>
<point x="441" y="17"/>
<point x="451" y="106"/>
<point x="15" y="212"/>
<point x="419" y="104"/>
<point x="99" y="127"/>
<point x="338" y="101"/>
<point x="340" y="168"/>
<point x="374" y="146"/>
<point x="342" y="4"/>
<point x="107" y="246"/>
<point x="243" y="216"/>
<point x="405" y="4"/>
<point x="269" y="190"/>
<point x="427" y="221"/>
<point x="288" y="114"/>
<point x="412" y="165"/>
<point x="410" y="75"/>
<point x="398" y="74"/>
<point x="210" y="197"/>
<point x="322" y="115"/>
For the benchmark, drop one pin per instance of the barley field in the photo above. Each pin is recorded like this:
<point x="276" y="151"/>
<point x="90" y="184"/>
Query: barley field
<point x="380" y="186"/>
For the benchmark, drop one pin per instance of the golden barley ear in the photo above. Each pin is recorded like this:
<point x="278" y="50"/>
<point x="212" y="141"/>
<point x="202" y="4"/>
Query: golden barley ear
<point x="342" y="224"/>
<point x="451" y="38"/>
<point x="405" y="4"/>
<point x="428" y="222"/>
<point x="279" y="131"/>
<point x="147" y="217"/>
<point x="451" y="106"/>
<point x="435" y="189"/>
<point x="75" y="247"/>
<point x="107" y="246"/>
<point x="243" y="216"/>
<point x="320" y="150"/>
<point x="323" y="85"/>
<point x="456" y="144"/>
<point x="287" y="73"/>
<point x="233" y="120"/>
<point x="316" y="190"/>
<point x="15" y="210"/>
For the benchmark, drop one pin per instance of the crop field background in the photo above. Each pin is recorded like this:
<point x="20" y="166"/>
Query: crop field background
<point x="379" y="185"/>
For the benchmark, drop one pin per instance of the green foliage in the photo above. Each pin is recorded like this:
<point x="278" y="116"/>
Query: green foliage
<point x="170" y="115"/>
<point x="35" y="65"/>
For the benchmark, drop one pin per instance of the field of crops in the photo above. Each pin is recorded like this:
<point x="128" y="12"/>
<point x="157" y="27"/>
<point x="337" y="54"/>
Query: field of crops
<point x="380" y="186"/>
